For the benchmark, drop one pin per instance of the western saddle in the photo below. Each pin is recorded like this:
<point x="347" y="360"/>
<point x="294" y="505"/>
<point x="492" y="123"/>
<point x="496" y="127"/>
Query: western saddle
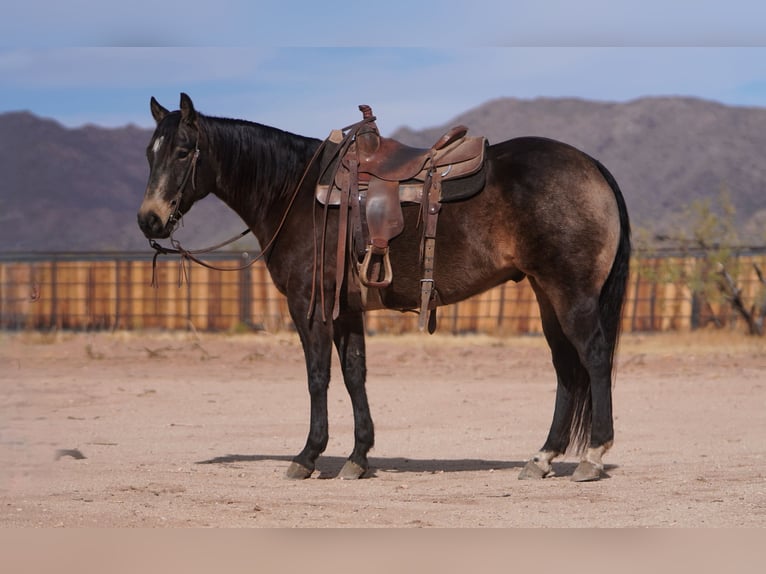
<point x="372" y="177"/>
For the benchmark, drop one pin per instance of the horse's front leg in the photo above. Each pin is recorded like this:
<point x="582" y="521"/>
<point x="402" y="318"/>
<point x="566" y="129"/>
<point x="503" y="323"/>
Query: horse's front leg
<point x="316" y="338"/>
<point x="348" y="334"/>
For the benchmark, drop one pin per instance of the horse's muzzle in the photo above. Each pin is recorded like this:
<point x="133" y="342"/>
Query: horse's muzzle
<point x="152" y="225"/>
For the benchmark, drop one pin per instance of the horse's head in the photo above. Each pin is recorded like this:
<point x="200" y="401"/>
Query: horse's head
<point x="173" y="155"/>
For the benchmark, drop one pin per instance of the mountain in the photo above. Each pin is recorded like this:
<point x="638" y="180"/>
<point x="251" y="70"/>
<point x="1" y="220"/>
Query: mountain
<point x="78" y="189"/>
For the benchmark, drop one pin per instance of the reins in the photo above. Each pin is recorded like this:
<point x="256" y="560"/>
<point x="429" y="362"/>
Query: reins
<point x="192" y="254"/>
<point x="176" y="248"/>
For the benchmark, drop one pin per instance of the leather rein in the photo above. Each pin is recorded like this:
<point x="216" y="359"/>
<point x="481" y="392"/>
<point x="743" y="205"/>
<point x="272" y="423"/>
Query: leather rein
<point x="349" y="134"/>
<point x="193" y="254"/>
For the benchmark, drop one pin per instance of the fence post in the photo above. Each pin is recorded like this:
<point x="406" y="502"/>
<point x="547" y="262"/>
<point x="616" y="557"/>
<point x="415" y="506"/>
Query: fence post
<point x="54" y="320"/>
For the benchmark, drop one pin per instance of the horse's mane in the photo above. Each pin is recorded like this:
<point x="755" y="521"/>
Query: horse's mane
<point x="254" y="158"/>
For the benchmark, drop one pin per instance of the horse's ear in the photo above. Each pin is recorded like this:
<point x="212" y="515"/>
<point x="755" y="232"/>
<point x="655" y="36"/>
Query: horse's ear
<point x="158" y="112"/>
<point x="188" y="113"/>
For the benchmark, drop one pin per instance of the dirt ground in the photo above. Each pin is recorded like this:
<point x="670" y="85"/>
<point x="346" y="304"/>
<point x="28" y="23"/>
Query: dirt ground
<point x="189" y="429"/>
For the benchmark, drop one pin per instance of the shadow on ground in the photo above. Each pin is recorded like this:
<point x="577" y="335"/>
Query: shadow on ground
<point x="329" y="466"/>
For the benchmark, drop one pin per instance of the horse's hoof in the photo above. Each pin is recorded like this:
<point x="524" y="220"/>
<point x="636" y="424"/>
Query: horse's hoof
<point x="586" y="471"/>
<point x="297" y="471"/>
<point x="351" y="471"/>
<point x="532" y="471"/>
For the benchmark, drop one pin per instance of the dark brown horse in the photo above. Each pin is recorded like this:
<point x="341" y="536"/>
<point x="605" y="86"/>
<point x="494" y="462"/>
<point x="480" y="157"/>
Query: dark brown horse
<point x="548" y="212"/>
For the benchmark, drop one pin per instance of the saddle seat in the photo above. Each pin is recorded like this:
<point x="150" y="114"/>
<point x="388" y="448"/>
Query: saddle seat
<point x="394" y="161"/>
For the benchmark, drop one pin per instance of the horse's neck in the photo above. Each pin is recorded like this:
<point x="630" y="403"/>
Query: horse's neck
<point x="259" y="169"/>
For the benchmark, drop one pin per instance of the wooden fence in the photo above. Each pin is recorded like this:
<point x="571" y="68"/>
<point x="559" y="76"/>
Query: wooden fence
<point x="114" y="292"/>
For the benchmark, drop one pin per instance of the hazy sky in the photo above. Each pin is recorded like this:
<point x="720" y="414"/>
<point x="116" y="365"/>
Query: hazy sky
<point x="304" y="66"/>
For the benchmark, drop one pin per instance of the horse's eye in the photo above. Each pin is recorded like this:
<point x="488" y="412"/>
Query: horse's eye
<point x="183" y="153"/>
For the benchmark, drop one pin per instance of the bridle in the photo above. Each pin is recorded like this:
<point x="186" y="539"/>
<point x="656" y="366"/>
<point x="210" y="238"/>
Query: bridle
<point x="176" y="217"/>
<point x="175" y="220"/>
<point x="191" y="172"/>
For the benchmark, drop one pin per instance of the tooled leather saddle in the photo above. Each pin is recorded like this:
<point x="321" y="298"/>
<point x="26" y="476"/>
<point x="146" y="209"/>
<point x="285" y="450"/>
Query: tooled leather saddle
<point x="371" y="179"/>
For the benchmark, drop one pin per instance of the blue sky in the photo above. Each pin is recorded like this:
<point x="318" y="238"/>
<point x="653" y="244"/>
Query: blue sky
<point x="304" y="66"/>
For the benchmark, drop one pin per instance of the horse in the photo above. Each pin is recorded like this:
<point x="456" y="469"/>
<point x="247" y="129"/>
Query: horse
<point x="548" y="212"/>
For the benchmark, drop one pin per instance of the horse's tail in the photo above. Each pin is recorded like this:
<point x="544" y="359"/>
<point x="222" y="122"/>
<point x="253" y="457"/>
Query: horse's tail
<point x="612" y="296"/>
<point x="611" y="301"/>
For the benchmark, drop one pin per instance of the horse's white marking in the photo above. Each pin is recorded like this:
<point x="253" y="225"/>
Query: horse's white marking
<point x="543" y="460"/>
<point x="593" y="455"/>
<point x="157" y="144"/>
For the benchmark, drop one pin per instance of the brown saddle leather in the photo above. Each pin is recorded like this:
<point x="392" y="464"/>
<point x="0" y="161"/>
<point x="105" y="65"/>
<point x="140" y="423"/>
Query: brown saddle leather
<point x="372" y="178"/>
<point x="455" y="155"/>
<point x="394" y="161"/>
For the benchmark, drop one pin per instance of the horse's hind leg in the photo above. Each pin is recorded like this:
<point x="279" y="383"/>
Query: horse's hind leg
<point x="572" y="400"/>
<point x="579" y="317"/>
<point x="585" y="330"/>
<point x="348" y="334"/>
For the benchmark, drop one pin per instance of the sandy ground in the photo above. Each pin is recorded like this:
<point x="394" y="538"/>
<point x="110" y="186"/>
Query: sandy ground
<point x="197" y="430"/>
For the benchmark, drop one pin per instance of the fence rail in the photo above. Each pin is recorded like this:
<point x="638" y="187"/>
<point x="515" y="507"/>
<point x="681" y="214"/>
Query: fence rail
<point x="113" y="291"/>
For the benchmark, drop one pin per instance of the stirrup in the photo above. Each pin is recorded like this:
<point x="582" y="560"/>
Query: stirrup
<point x="388" y="273"/>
